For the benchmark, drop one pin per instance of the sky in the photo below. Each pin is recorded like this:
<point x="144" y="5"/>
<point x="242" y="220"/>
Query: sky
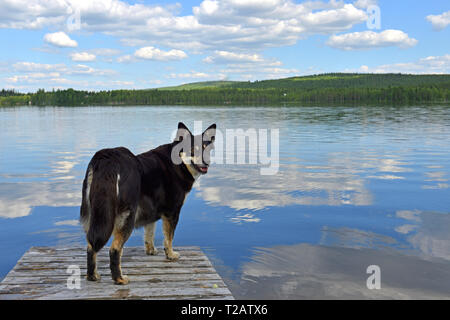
<point x="118" y="44"/>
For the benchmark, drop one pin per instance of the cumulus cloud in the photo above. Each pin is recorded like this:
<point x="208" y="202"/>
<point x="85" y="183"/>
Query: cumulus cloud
<point x="82" y="56"/>
<point x="105" y="52"/>
<point x="125" y="59"/>
<point x="370" y="39"/>
<point x="31" y="75"/>
<point x="440" y="21"/>
<point x="190" y="75"/>
<point x="232" y="57"/>
<point x="26" y="66"/>
<point x="364" y="4"/>
<point x="60" y="39"/>
<point x="248" y="66"/>
<point x="227" y="24"/>
<point x="331" y="21"/>
<point x="427" y="65"/>
<point x="152" y="53"/>
<point x="33" y="14"/>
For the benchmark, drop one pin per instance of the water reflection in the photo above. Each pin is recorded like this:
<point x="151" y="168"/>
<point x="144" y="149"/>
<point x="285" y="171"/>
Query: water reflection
<point x="356" y="186"/>
<point x="18" y="199"/>
<point x="428" y="232"/>
<point x="307" y="271"/>
<point x="419" y="268"/>
<point x="340" y="178"/>
<point x="242" y="187"/>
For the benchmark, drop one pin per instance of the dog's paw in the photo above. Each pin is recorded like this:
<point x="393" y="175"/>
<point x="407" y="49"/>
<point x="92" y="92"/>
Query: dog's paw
<point x="172" y="255"/>
<point x="121" y="280"/>
<point x="93" y="277"/>
<point x="151" y="251"/>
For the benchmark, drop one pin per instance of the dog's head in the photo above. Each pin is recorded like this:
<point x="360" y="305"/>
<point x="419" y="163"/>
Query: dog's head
<point x="195" y="151"/>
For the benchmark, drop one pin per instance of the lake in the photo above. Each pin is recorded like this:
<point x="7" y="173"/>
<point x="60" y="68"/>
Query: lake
<point x="355" y="187"/>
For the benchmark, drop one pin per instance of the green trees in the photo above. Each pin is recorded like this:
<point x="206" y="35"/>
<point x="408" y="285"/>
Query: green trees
<point x="326" y="89"/>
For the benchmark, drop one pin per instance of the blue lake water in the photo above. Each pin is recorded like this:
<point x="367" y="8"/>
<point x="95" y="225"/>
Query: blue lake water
<point x="356" y="186"/>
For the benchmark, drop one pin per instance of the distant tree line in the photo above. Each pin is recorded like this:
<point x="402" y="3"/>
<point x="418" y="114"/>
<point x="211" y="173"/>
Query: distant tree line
<point x="222" y="96"/>
<point x="321" y="89"/>
<point x="9" y="92"/>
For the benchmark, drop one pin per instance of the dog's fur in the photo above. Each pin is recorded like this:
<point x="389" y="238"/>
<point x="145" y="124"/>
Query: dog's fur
<point x="122" y="191"/>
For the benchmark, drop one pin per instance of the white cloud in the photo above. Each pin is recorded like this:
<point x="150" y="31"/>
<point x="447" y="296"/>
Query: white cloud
<point x="258" y="72"/>
<point x="370" y="39"/>
<point x="331" y="21"/>
<point x="152" y="53"/>
<point x="33" y="14"/>
<point x="60" y="39"/>
<point x="82" y="69"/>
<point x="31" y="75"/>
<point x="82" y="56"/>
<point x="440" y="21"/>
<point x="190" y="75"/>
<point x="364" y="69"/>
<point x="105" y="52"/>
<point x="26" y="66"/>
<point x="255" y="24"/>
<point x="222" y="25"/>
<point x="231" y="57"/>
<point x="248" y="66"/>
<point x="364" y="4"/>
<point x="428" y="65"/>
<point x="125" y="59"/>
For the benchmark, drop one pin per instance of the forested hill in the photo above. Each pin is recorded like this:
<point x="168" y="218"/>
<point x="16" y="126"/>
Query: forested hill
<point x="334" y="88"/>
<point x="331" y="80"/>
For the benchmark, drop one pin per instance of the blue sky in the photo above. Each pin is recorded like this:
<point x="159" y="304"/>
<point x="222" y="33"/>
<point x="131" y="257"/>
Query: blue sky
<point x="112" y="44"/>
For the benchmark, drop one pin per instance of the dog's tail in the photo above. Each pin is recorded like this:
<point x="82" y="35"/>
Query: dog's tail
<point x="99" y="205"/>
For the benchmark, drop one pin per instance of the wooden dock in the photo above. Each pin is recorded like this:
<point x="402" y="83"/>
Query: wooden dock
<point x="43" y="273"/>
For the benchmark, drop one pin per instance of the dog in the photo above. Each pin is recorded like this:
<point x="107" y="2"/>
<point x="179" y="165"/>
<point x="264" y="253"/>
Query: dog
<point x="122" y="191"/>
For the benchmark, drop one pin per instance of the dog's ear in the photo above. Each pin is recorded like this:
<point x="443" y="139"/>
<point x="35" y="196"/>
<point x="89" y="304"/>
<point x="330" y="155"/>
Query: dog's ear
<point x="182" y="132"/>
<point x="210" y="133"/>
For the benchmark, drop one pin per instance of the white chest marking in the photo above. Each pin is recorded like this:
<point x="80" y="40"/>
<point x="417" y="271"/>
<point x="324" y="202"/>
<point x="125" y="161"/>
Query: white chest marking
<point x="188" y="163"/>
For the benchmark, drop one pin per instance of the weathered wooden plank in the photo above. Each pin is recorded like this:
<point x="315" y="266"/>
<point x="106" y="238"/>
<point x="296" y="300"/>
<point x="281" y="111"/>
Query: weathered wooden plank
<point x="107" y="285"/>
<point x="129" y="271"/>
<point x="133" y="278"/>
<point x="138" y="290"/>
<point x="125" y="264"/>
<point x="82" y="250"/>
<point x="104" y="258"/>
<point x="168" y="297"/>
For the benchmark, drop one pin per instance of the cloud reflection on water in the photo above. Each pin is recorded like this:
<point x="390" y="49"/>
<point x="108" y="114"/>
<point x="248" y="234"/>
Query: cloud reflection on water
<point x="305" y="271"/>
<point x="57" y="187"/>
<point x="335" y="268"/>
<point x="340" y="180"/>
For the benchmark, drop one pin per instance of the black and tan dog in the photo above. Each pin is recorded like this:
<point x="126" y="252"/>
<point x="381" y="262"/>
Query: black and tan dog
<point x="122" y="191"/>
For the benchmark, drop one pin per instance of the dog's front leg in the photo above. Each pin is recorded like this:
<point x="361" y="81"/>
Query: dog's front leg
<point x="169" y="225"/>
<point x="149" y="239"/>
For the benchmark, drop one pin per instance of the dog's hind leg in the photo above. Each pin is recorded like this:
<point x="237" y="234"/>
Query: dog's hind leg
<point x="92" y="274"/>
<point x="123" y="227"/>
<point x="169" y="225"/>
<point x="85" y="219"/>
<point x="149" y="237"/>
